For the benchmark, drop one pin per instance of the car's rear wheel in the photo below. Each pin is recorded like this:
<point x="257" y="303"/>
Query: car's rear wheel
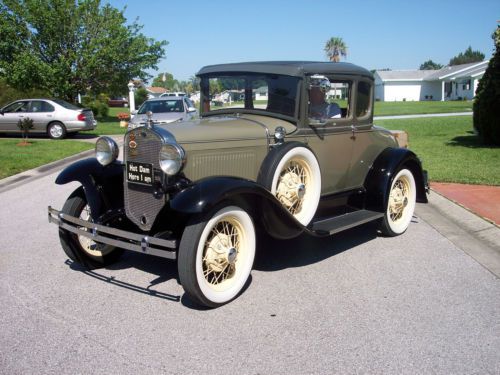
<point x="400" y="204"/>
<point x="216" y="255"/>
<point x="82" y="249"/>
<point x="56" y="130"/>
<point x="293" y="176"/>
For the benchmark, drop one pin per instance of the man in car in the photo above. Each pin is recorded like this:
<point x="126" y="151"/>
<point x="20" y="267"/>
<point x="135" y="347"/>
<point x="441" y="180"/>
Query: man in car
<point x="319" y="108"/>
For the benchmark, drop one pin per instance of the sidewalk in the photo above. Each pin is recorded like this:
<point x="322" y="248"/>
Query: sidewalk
<point x="483" y="200"/>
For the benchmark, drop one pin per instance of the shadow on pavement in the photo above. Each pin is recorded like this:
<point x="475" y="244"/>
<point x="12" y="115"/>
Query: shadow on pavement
<point x="272" y="255"/>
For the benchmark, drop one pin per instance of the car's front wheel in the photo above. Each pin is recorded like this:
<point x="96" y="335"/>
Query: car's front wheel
<point x="216" y="255"/>
<point x="56" y="130"/>
<point x="292" y="174"/>
<point x="400" y="204"/>
<point x="82" y="249"/>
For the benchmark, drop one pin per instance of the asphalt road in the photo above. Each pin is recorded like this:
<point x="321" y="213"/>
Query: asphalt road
<point x="352" y="303"/>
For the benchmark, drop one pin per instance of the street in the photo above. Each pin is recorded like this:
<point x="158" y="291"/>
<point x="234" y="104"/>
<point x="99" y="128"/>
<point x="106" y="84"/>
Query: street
<point x="351" y="303"/>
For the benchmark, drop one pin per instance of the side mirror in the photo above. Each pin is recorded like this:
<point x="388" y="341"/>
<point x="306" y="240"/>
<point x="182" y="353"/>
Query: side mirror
<point x="191" y="109"/>
<point x="134" y="112"/>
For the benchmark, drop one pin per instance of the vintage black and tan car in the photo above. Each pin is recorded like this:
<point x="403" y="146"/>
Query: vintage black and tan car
<point x="285" y="147"/>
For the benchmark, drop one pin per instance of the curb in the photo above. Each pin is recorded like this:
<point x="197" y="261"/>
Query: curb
<point x="475" y="236"/>
<point x="12" y="182"/>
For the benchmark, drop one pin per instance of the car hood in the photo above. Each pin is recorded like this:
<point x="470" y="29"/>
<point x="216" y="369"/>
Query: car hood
<point x="226" y="128"/>
<point x="159" y="118"/>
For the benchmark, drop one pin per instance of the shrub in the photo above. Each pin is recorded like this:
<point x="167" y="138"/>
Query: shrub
<point x="25" y="125"/>
<point x="98" y="105"/>
<point x="103" y="109"/>
<point x="141" y="95"/>
<point x="486" y="109"/>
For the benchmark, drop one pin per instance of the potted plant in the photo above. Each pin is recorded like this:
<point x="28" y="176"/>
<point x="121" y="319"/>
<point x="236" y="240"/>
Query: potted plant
<point x="123" y="117"/>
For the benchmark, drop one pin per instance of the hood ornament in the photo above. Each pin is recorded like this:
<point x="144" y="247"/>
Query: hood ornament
<point x="149" y="122"/>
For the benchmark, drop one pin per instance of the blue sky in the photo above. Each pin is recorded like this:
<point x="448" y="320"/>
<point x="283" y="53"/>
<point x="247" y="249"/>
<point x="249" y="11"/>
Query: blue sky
<point x="379" y="34"/>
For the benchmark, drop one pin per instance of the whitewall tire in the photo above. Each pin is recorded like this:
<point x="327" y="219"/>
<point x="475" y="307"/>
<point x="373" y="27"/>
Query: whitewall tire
<point x="216" y="256"/>
<point x="400" y="204"/>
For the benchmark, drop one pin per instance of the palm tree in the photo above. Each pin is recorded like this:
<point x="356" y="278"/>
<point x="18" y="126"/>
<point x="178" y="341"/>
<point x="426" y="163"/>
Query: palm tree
<point x="334" y="48"/>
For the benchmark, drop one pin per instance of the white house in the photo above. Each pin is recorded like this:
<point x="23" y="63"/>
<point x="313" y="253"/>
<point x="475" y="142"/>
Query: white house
<point x="449" y="83"/>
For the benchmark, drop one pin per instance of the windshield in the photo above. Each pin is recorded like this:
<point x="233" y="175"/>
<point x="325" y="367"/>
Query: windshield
<point x="264" y="92"/>
<point x="161" y="106"/>
<point x="65" y="104"/>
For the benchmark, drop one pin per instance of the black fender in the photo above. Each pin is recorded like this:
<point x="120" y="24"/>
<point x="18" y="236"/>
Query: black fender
<point x="205" y="194"/>
<point x="382" y="172"/>
<point x="102" y="184"/>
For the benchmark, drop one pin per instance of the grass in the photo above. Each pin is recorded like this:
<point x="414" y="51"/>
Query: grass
<point x="109" y="125"/>
<point x="411" y="108"/>
<point x="15" y="159"/>
<point x="449" y="149"/>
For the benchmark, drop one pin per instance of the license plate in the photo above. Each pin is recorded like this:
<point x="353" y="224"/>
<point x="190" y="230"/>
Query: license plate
<point x="140" y="173"/>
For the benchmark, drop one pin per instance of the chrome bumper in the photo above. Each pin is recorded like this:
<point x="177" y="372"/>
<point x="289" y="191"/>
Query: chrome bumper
<point x="115" y="237"/>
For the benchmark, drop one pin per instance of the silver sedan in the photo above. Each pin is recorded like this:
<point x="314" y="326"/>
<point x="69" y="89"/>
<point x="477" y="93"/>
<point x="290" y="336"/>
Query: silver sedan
<point x="54" y="117"/>
<point x="165" y="110"/>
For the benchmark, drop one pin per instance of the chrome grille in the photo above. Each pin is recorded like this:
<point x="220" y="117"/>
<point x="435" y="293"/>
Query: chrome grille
<point x="141" y="205"/>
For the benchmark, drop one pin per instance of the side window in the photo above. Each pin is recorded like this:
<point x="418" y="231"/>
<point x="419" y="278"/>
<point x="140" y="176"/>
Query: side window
<point x="17" y="107"/>
<point x="40" y="106"/>
<point x="363" y="103"/>
<point x="329" y="99"/>
<point x="47" y="107"/>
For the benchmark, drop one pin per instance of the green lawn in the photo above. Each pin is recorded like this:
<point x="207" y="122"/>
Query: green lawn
<point x="15" y="159"/>
<point x="449" y="149"/>
<point x="110" y="125"/>
<point x="410" y="108"/>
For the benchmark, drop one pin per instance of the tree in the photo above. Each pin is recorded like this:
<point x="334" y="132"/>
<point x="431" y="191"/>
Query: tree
<point x="467" y="57"/>
<point x="25" y="125"/>
<point x="141" y="95"/>
<point x="334" y="48"/>
<point x="430" y="65"/>
<point x="486" y="109"/>
<point x="169" y="83"/>
<point x="68" y="47"/>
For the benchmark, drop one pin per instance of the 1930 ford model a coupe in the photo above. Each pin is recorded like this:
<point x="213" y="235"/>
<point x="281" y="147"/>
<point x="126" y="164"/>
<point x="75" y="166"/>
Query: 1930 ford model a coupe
<point x="285" y="147"/>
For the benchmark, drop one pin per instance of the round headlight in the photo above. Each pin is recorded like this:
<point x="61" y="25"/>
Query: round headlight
<point x="106" y="150"/>
<point x="171" y="159"/>
<point x="279" y="134"/>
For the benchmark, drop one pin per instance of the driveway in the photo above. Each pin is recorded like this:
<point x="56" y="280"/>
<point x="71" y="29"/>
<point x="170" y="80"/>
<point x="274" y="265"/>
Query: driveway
<point x="352" y="303"/>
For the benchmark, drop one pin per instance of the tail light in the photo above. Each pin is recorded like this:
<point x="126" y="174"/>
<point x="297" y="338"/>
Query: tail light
<point x="81" y="117"/>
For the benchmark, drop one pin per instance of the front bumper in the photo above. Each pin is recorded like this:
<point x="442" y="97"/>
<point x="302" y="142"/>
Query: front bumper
<point x="137" y="242"/>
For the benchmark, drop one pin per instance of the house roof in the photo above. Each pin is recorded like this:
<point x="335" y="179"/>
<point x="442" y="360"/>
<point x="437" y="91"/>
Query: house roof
<point x="448" y="72"/>
<point x="404" y="75"/>
<point x="156" y="90"/>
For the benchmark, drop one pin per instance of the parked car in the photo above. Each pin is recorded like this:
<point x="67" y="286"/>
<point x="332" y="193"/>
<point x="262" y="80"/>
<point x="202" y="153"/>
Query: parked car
<point x="165" y="110"/>
<point x="54" y="117"/>
<point x="198" y="192"/>
<point x="118" y="102"/>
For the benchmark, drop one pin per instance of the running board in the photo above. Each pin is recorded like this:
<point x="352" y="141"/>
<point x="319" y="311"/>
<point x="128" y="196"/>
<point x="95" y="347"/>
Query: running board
<point x="339" y="223"/>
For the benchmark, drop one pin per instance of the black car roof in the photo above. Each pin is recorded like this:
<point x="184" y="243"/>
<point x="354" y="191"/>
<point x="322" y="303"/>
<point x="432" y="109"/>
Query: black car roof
<point x="290" y="68"/>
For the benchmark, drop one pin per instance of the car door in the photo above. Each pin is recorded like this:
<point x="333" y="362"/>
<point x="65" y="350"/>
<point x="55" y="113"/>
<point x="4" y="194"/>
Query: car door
<point x="331" y="140"/>
<point x="40" y="112"/>
<point x="365" y="145"/>
<point x="12" y="114"/>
